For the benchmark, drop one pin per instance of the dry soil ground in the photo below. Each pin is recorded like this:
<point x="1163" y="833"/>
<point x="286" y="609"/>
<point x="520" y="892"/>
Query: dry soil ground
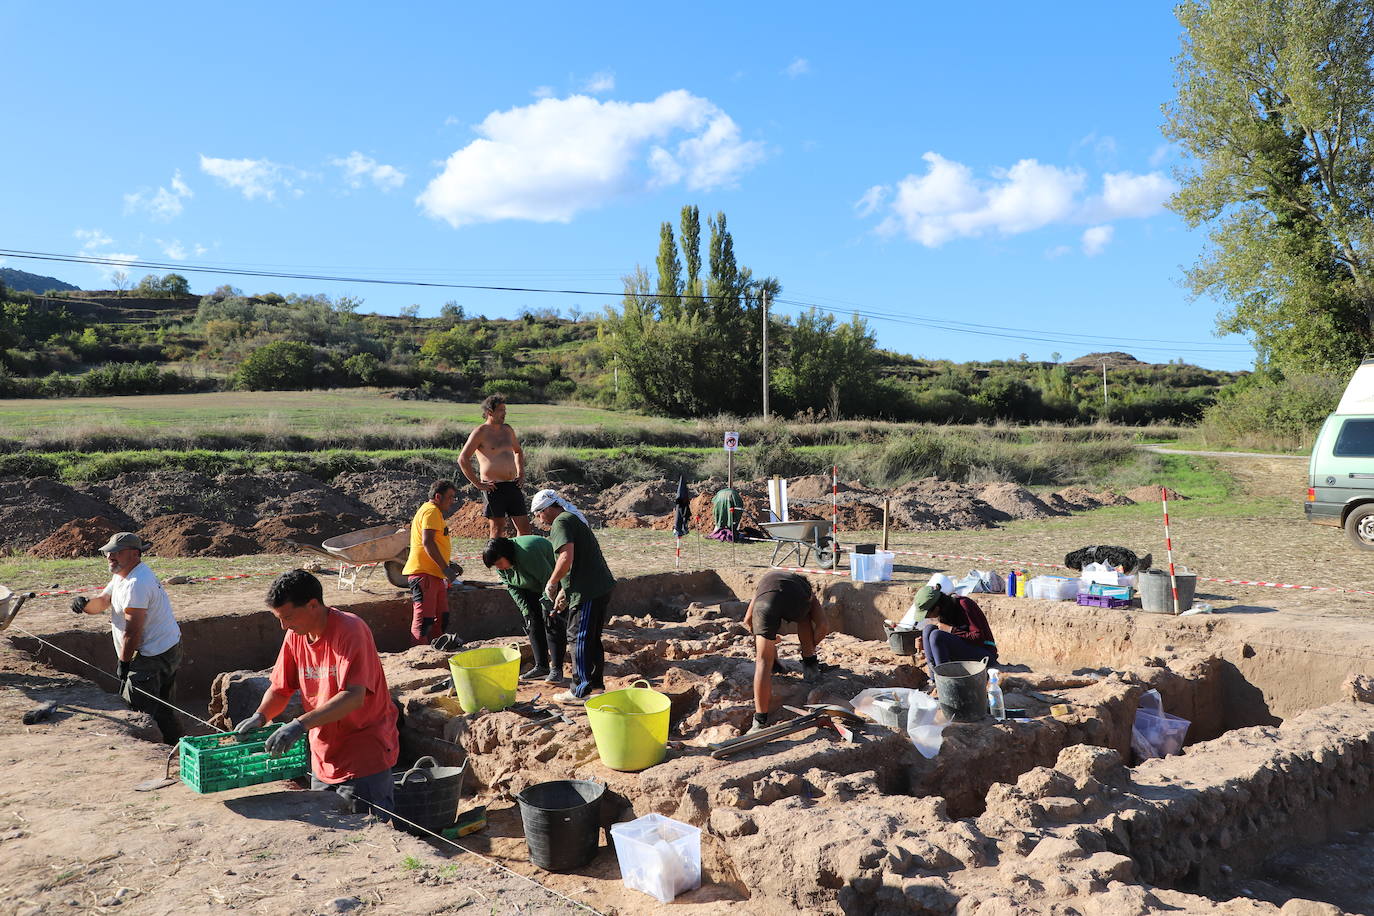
<point x="75" y="837"/>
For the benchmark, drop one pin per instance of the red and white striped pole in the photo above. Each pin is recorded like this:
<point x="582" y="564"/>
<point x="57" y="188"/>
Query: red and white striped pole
<point x="677" y="558"/>
<point x="1169" y="546"/>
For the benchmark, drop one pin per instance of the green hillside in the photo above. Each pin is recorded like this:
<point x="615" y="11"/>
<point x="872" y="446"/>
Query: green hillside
<point x="160" y="339"/>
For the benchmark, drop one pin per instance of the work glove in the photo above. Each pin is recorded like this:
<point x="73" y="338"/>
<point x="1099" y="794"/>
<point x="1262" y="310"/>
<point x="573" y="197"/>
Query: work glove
<point x="124" y="669"/>
<point x="281" y="740"/>
<point x="256" y="720"/>
<point x="79" y="604"/>
<point x="560" y="604"/>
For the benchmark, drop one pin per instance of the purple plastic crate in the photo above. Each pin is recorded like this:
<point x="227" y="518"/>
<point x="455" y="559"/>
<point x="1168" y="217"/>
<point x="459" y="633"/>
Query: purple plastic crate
<point x="1103" y="601"/>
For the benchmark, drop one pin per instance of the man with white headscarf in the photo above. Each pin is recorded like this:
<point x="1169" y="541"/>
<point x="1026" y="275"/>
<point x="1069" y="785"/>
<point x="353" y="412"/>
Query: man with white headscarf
<point x="580" y="587"/>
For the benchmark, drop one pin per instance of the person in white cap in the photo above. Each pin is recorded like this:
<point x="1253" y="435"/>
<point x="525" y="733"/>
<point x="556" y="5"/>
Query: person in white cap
<point x="147" y="638"/>
<point x="580" y="589"/>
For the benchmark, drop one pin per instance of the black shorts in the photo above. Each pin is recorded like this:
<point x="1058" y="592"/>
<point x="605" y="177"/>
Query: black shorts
<point x="506" y="499"/>
<point x="790" y="602"/>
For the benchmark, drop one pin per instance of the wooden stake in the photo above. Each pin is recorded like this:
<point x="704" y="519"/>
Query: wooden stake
<point x="886" y="506"/>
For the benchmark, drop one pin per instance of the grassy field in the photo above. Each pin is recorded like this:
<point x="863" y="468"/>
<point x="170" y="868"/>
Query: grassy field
<point x="302" y="412"/>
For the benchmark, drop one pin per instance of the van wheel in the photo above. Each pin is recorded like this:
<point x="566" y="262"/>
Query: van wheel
<point x="1359" y="526"/>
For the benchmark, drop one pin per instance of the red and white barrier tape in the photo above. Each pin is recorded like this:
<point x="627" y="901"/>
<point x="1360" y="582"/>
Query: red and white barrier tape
<point x="192" y="580"/>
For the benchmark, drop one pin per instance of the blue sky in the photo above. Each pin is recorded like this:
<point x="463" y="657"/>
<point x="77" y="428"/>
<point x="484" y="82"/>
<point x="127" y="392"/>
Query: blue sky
<point x="994" y="164"/>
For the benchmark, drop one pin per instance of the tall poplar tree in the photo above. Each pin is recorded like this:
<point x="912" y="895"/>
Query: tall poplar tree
<point x="1275" y="106"/>
<point x="669" y="274"/>
<point x="691" y="253"/>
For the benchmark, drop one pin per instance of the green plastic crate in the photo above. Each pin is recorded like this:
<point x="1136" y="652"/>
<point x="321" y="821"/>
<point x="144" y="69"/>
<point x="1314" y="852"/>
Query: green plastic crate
<point x="213" y="763"/>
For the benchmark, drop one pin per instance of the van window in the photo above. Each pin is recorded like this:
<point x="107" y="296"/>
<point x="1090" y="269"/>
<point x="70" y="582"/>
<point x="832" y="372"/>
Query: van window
<point x="1356" y="440"/>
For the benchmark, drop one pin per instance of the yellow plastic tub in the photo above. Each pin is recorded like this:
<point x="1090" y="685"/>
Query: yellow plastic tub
<point x="630" y="727"/>
<point x="485" y="678"/>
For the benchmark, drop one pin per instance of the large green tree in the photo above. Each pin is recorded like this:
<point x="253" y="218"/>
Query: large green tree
<point x="1275" y="106"/>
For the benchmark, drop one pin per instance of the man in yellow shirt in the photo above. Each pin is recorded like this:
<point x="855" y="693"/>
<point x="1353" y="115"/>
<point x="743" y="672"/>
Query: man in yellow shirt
<point x="427" y="566"/>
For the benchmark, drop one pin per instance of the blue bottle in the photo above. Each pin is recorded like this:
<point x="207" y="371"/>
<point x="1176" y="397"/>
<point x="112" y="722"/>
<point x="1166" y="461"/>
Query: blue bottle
<point x="1011" y="584"/>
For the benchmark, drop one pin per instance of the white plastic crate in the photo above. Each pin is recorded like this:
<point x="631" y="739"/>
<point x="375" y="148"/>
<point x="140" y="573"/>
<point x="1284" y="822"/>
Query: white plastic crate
<point x="1056" y="588"/>
<point x="658" y="856"/>
<point x="871" y="567"/>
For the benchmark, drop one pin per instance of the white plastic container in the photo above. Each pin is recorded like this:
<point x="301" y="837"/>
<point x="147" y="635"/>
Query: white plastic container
<point x="659" y="856"/>
<point x="1055" y="588"/>
<point x="871" y="567"/>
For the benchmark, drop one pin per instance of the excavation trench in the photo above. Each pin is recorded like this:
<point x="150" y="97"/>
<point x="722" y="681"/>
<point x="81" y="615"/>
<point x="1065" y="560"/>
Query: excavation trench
<point x="814" y="822"/>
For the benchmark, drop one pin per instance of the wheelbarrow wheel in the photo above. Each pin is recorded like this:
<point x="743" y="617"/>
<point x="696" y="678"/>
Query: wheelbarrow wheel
<point x="825" y="552"/>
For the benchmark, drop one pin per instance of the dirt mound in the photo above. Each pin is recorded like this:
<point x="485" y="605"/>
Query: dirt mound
<point x="287" y="493"/>
<point x="932" y="504"/>
<point x="77" y="538"/>
<point x="144" y="495"/>
<point x="816" y="486"/>
<point x="1081" y="499"/>
<point x="183" y="535"/>
<point x="1015" y="501"/>
<point x="1149" y="494"/>
<point x="31" y="509"/>
<point x="391" y="495"/>
<point x="467" y="521"/>
<point x="653" y="497"/>
<point x="275" y="534"/>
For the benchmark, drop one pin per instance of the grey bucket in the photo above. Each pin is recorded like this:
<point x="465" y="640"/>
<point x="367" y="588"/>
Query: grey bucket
<point x="963" y="690"/>
<point x="902" y="642"/>
<point x="562" y="822"/>
<point x="1155" y="595"/>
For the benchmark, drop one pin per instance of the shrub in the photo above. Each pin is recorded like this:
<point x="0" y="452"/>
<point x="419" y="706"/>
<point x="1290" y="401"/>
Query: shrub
<point x="281" y="365"/>
<point x="516" y="391"/>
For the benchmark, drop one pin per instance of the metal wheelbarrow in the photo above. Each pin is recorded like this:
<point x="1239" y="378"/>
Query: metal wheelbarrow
<point x="10" y="603"/>
<point x="798" y="538"/>
<point x="365" y="549"/>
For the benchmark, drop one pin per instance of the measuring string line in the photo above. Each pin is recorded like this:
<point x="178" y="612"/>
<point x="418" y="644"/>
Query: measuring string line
<point x="115" y="677"/>
<point x="393" y="814"/>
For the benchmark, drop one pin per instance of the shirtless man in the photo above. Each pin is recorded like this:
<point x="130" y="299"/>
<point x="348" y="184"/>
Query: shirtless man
<point x="501" y="469"/>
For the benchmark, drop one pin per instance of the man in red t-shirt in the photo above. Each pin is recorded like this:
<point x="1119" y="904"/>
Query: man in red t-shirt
<point x="330" y="657"/>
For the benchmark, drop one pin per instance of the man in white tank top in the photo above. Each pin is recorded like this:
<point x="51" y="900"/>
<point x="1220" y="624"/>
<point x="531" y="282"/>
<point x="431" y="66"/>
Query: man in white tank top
<point x="147" y="639"/>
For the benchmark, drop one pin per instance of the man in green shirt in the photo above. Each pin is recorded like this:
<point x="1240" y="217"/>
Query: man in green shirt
<point x="580" y="587"/>
<point x="525" y="564"/>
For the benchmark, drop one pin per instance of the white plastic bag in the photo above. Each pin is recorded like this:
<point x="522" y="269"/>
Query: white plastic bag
<point x="925" y="723"/>
<point x="1156" y="733"/>
<point x="981" y="581"/>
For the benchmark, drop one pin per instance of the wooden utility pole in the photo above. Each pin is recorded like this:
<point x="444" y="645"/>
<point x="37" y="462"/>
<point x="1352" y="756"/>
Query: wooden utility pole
<point x="1106" y="410"/>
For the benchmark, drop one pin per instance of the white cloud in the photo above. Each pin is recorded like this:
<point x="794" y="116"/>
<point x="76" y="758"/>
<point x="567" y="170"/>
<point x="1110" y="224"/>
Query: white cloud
<point x="542" y="92"/>
<point x="797" y="68"/>
<point x="176" y="251"/>
<point x="548" y="161"/>
<point x="91" y="239"/>
<point x="948" y="201"/>
<point x="873" y="199"/>
<point x="1128" y="195"/>
<point x="1096" y="239"/>
<point x="1162" y="153"/>
<point x="252" y="177"/>
<point x="357" y="168"/>
<point x="163" y="204"/>
<point x="95" y="243"/>
<point x="601" y="82"/>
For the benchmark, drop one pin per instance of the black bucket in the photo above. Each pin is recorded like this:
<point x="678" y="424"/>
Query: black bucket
<point x="963" y="690"/>
<point x="427" y="795"/>
<point x="562" y="822"/>
<point x="902" y="642"/>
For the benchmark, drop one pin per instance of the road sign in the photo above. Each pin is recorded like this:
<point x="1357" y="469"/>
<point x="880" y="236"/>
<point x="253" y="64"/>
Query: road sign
<point x="731" y="441"/>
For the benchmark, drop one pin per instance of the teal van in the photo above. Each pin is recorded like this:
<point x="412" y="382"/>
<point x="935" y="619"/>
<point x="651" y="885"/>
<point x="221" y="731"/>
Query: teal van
<point x="1340" y="478"/>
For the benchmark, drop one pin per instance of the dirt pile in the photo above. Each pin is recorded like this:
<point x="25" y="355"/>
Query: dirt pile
<point x="32" y="508"/>
<point x="1150" y="494"/>
<point x="183" y="535"/>
<point x="390" y="495"/>
<point x="932" y="504"/>
<point x="817" y="486"/>
<point x="76" y="539"/>
<point x="144" y="495"/>
<point x="275" y="535"/>
<point x="1015" y="501"/>
<point x="651" y="498"/>
<point x="1081" y="499"/>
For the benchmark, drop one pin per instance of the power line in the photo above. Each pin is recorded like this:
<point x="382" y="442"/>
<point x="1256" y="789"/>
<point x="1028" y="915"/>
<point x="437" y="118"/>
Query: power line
<point x="1011" y="333"/>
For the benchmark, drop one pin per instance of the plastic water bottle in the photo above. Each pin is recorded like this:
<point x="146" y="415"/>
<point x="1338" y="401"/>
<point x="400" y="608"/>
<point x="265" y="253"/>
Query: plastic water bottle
<point x="996" y="704"/>
<point x="1011" y="583"/>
